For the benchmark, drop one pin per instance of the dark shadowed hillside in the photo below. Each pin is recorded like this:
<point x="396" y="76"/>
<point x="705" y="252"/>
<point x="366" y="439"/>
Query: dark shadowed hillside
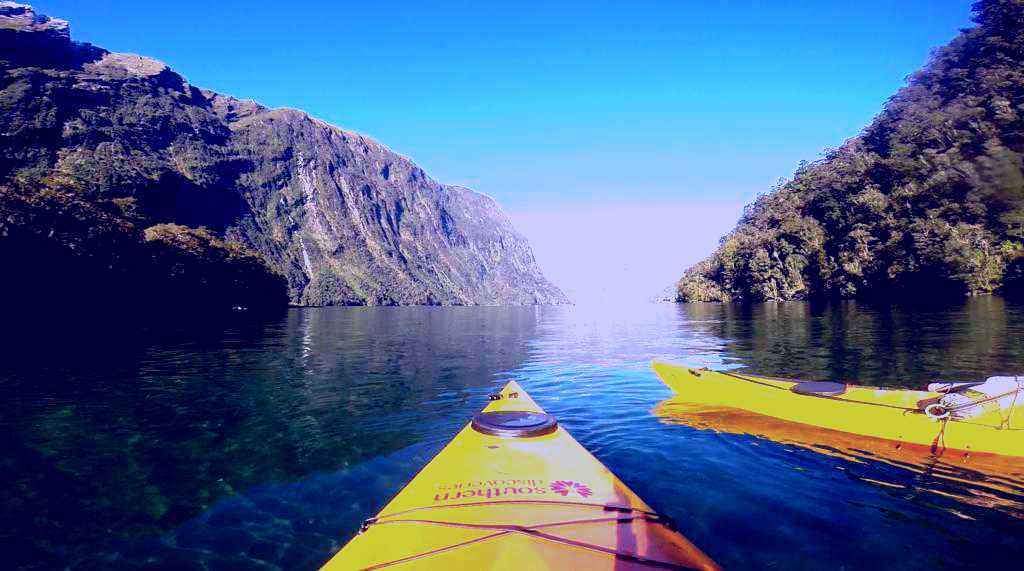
<point x="928" y="200"/>
<point x="119" y="176"/>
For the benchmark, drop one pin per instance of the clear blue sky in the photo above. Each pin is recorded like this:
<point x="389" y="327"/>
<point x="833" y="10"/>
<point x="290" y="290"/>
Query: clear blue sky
<point x="563" y="109"/>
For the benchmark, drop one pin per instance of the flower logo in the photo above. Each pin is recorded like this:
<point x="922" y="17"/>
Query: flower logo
<point x="566" y="487"/>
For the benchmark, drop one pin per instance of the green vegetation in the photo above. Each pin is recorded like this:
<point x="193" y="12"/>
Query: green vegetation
<point x="928" y="200"/>
<point x="61" y="249"/>
<point x="343" y="219"/>
<point x="98" y="153"/>
<point x="196" y="264"/>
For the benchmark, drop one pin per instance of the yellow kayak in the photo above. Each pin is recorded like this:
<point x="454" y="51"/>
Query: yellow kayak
<point x="980" y="479"/>
<point x="893" y="415"/>
<point x="513" y="490"/>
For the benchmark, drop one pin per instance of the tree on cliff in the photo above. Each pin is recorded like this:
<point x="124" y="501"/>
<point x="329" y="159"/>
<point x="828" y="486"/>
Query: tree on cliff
<point x="928" y="200"/>
<point x="221" y="201"/>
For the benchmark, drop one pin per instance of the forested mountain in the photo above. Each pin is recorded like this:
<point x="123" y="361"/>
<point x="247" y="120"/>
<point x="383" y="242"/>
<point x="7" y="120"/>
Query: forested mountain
<point x="928" y="200"/>
<point x="120" y="181"/>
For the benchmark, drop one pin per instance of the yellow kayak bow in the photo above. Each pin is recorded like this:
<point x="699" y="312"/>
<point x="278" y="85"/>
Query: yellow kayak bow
<point x="513" y="490"/>
<point x="892" y="415"/>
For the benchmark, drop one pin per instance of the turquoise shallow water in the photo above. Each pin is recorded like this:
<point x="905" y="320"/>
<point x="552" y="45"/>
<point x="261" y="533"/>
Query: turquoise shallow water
<point x="262" y="443"/>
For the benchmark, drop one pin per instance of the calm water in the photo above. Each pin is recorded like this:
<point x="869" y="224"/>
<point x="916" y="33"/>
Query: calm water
<point x="263" y="443"/>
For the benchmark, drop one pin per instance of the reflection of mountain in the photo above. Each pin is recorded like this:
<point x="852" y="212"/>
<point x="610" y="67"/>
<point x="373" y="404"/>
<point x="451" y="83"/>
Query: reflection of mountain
<point x="129" y="434"/>
<point x="867" y="344"/>
<point x="863" y="343"/>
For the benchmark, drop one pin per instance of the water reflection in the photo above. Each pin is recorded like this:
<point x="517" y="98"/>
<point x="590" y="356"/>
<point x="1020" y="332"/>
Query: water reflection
<point x="131" y="433"/>
<point x="262" y="443"/>
<point x="983" y="480"/>
<point x="868" y="344"/>
<point x="933" y="497"/>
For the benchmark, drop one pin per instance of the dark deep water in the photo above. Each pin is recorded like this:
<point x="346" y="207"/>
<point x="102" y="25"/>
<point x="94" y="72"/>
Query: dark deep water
<point x="257" y="443"/>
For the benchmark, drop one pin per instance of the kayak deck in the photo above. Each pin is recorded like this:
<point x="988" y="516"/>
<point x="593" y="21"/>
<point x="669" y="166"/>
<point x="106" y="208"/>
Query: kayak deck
<point x="541" y="502"/>
<point x="889" y="414"/>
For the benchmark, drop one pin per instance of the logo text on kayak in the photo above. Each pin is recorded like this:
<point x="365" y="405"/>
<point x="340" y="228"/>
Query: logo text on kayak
<point x="510" y="489"/>
<point x="566" y="487"/>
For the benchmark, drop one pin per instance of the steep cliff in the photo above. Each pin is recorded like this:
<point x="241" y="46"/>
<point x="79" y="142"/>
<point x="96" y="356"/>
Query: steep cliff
<point x="928" y="200"/>
<point x="341" y="217"/>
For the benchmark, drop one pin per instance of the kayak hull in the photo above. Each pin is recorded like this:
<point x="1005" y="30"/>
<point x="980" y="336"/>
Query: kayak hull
<point x="888" y="414"/>
<point x="979" y="479"/>
<point x="493" y="502"/>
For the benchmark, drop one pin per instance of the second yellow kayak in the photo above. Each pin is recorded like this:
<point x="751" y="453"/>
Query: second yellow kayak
<point x="890" y="414"/>
<point x="513" y="490"/>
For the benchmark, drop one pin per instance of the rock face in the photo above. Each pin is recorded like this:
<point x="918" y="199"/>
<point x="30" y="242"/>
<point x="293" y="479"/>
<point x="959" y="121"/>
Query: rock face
<point x="36" y="27"/>
<point x="341" y="217"/>
<point x="928" y="201"/>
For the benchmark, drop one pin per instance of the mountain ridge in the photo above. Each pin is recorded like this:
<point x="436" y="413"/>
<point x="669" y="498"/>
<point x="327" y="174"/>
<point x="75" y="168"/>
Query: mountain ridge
<point x="927" y="201"/>
<point x="344" y="219"/>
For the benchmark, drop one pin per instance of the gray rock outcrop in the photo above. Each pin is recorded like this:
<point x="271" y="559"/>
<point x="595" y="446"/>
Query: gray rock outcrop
<point x="343" y="218"/>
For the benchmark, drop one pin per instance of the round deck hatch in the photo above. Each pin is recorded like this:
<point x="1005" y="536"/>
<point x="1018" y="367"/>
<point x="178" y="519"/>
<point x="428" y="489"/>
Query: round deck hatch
<point x="514" y="423"/>
<point x="819" y="388"/>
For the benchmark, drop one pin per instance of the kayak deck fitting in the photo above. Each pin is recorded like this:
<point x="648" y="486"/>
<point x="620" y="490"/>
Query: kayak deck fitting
<point x="513" y="490"/>
<point x="893" y="415"/>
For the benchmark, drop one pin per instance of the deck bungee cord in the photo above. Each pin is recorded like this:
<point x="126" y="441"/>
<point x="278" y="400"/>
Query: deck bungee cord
<point x="605" y="507"/>
<point x="968" y="418"/>
<point x="820" y="396"/>
<point x="940" y="412"/>
<point x="534" y="531"/>
<point x="514" y="490"/>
